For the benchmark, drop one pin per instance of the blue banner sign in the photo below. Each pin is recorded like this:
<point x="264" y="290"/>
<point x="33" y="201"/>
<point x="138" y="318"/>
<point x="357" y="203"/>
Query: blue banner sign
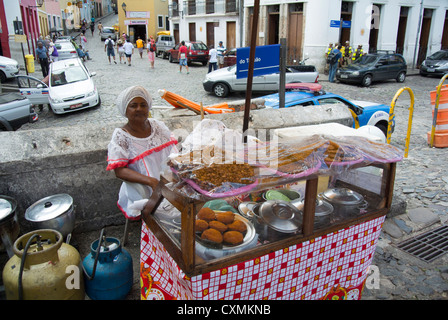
<point x="335" y="23"/>
<point x="346" y="24"/>
<point x="267" y="60"/>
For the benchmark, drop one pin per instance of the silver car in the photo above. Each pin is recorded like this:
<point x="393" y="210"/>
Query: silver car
<point x="108" y="31"/>
<point x="66" y="50"/>
<point x="163" y="44"/>
<point x="223" y="81"/>
<point x="15" y="110"/>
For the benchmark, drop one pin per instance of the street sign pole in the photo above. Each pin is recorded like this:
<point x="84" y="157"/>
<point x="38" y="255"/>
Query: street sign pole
<point x="250" y="71"/>
<point x="281" y="91"/>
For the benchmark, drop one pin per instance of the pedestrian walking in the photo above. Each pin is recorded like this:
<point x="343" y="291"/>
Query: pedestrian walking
<point x="151" y="50"/>
<point x="333" y="60"/>
<point x="221" y="52"/>
<point x="213" y="61"/>
<point x="83" y="41"/>
<point x="109" y="48"/>
<point x="53" y="52"/>
<point x="92" y="26"/>
<point x="140" y="46"/>
<point x="42" y="55"/>
<point x="100" y="28"/>
<point x="128" y="50"/>
<point x="120" y="50"/>
<point x="183" y="57"/>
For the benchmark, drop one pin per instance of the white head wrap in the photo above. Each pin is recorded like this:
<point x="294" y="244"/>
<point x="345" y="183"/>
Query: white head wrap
<point x="130" y="93"/>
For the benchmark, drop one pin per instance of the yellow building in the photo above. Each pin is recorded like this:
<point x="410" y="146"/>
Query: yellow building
<point x="142" y="18"/>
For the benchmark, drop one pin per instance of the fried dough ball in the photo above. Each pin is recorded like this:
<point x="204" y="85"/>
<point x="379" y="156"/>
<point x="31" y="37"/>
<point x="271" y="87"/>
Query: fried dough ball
<point x="201" y="225"/>
<point x="221" y="227"/>
<point x="212" y="235"/>
<point x="206" y="214"/>
<point x="233" y="237"/>
<point x="237" y="225"/>
<point x="226" y="217"/>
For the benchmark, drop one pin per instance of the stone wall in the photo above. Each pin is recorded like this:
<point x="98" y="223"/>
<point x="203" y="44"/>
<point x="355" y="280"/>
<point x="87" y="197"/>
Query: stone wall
<point x="38" y="163"/>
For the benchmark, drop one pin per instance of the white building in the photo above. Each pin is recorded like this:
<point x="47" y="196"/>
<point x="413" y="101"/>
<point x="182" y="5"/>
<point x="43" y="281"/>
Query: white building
<point x="414" y="28"/>
<point x="209" y="21"/>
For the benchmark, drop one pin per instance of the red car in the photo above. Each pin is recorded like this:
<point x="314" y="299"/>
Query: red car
<point x="197" y="51"/>
<point x="230" y="58"/>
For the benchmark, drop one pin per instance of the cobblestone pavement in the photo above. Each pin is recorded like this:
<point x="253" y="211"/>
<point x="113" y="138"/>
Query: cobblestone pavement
<point x="421" y="179"/>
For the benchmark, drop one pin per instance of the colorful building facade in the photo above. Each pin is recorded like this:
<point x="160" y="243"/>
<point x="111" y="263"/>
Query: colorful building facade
<point x="142" y="18"/>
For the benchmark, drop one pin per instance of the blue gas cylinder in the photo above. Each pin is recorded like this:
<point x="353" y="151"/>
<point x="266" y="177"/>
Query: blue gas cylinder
<point x="109" y="272"/>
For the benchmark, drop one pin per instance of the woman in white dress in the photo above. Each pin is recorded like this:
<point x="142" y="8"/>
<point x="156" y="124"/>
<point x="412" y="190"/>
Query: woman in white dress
<point x="137" y="153"/>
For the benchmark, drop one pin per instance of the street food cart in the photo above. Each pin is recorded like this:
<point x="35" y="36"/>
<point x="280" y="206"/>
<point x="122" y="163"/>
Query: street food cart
<point x="311" y="220"/>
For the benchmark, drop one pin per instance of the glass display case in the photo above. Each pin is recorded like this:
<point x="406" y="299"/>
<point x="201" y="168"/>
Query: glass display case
<point x="270" y="216"/>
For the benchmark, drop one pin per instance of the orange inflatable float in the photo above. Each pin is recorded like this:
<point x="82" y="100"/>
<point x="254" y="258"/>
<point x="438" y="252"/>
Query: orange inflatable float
<point x="178" y="101"/>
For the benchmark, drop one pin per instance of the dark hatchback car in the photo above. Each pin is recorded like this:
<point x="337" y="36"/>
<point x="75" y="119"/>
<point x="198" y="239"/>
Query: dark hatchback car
<point x="436" y="64"/>
<point x="197" y="51"/>
<point x="374" y="67"/>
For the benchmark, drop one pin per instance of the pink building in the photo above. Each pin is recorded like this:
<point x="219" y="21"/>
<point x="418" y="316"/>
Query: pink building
<point x="4" y="42"/>
<point x="53" y="10"/>
<point x="28" y="9"/>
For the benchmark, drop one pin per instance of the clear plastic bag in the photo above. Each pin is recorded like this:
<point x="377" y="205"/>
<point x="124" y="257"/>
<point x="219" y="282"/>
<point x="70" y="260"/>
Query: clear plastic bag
<point x="216" y="163"/>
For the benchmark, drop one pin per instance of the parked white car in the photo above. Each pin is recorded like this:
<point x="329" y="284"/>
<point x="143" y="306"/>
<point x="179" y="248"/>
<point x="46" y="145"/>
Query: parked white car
<point x="70" y="87"/>
<point x="66" y="50"/>
<point x="223" y="81"/>
<point x="9" y="68"/>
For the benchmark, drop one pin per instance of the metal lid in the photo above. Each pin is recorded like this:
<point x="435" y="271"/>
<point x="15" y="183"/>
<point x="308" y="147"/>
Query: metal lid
<point x="342" y="196"/>
<point x="49" y="208"/>
<point x="280" y="215"/>
<point x="7" y="207"/>
<point x="323" y="208"/>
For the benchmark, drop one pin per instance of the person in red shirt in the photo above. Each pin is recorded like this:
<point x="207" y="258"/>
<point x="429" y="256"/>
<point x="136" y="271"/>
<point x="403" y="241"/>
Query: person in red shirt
<point x="183" y="57"/>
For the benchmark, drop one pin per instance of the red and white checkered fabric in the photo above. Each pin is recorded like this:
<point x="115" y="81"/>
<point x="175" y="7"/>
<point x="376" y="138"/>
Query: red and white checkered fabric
<point x="309" y="270"/>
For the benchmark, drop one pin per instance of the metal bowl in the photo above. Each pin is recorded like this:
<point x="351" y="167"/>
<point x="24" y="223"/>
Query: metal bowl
<point x="54" y="212"/>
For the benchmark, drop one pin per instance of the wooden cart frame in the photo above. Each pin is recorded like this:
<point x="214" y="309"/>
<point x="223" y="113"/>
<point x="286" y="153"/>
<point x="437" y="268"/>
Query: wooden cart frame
<point x="192" y="265"/>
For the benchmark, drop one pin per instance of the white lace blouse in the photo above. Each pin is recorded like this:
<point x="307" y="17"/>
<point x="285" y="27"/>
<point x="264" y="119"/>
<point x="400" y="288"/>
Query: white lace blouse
<point x="145" y="155"/>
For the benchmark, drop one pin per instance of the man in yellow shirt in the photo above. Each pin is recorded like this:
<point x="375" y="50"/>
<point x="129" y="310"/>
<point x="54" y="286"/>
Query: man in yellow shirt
<point x="140" y="45"/>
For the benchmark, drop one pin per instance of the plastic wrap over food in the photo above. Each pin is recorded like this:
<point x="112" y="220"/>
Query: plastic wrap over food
<point x="216" y="163"/>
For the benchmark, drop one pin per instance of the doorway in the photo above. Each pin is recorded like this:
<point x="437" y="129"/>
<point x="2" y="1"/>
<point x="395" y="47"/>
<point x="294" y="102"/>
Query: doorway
<point x="211" y="34"/>
<point x="445" y="33"/>
<point x="192" y="31"/>
<point x="137" y="30"/>
<point x="346" y="15"/>
<point x="401" y="33"/>
<point x="374" y="28"/>
<point x="424" y="36"/>
<point x="231" y="34"/>
<point x="273" y="24"/>
<point x="295" y="33"/>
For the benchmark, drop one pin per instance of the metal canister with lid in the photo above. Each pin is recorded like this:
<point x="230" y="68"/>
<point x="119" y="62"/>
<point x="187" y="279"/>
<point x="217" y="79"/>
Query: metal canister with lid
<point x="54" y="212"/>
<point x="277" y="219"/>
<point x="346" y="202"/>
<point x="323" y="214"/>
<point x="9" y="226"/>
